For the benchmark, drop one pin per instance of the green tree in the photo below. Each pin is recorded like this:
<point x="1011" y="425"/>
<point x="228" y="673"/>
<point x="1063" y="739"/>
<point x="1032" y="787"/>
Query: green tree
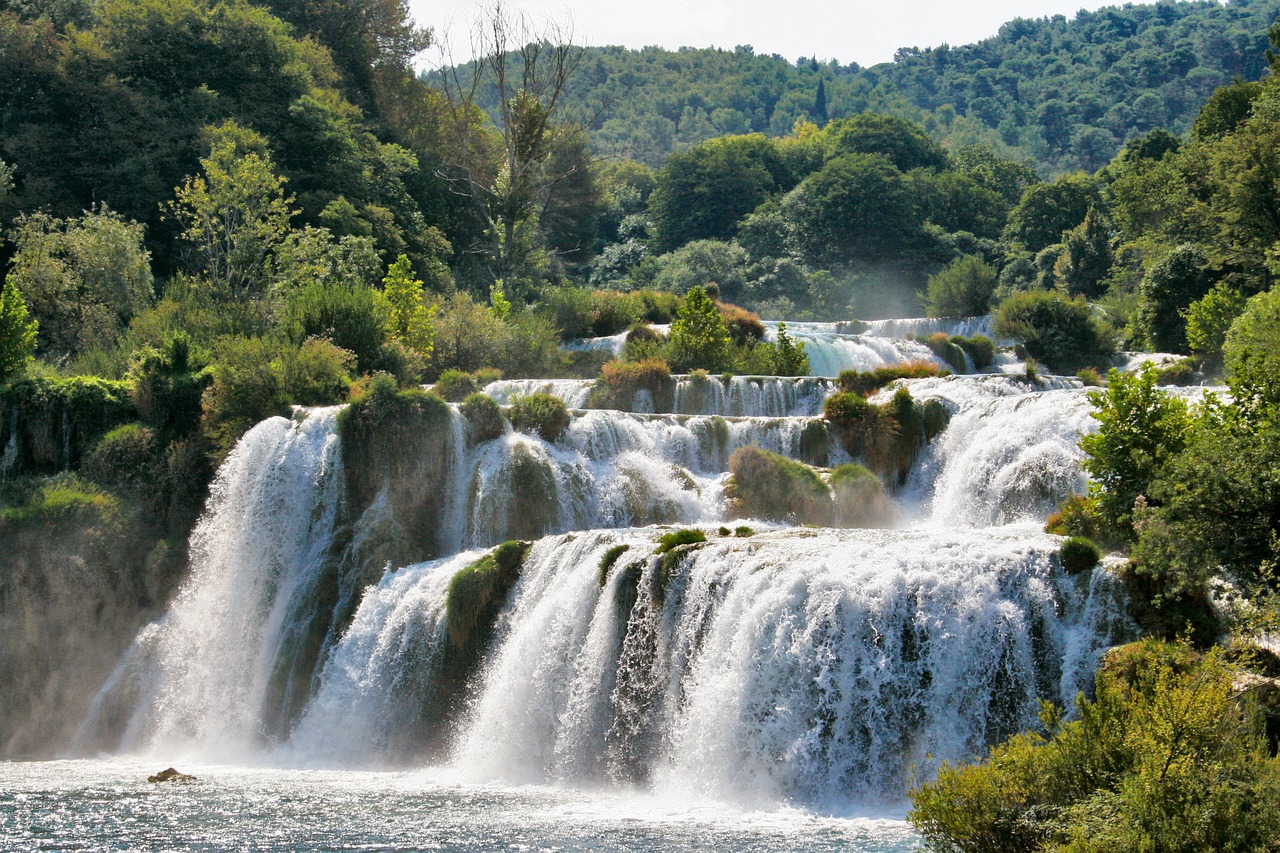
<point x="699" y="337"/>
<point x="1252" y="355"/>
<point x="314" y="254"/>
<point x="1209" y="319"/>
<point x="410" y="319"/>
<point x="235" y="214"/>
<point x="789" y="357"/>
<point x="1141" y="428"/>
<point x="903" y="143"/>
<point x="1055" y="330"/>
<point x="1166" y="292"/>
<point x="1086" y="257"/>
<point x="963" y="289"/>
<point x="85" y="278"/>
<point x="17" y="332"/>
<point x="1047" y="210"/>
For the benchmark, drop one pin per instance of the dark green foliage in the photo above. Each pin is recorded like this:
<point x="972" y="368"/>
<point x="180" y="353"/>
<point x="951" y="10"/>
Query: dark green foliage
<point x="772" y="487"/>
<point x="351" y="317"/>
<point x="484" y="415"/>
<point x="979" y="348"/>
<point x="1086" y="257"/>
<point x="123" y="459"/>
<point x="903" y="143"/>
<point x="543" y="414"/>
<point x="478" y="592"/>
<point x="1166" y="292"/>
<point x="167" y="387"/>
<point x="866" y="382"/>
<point x="676" y="538"/>
<point x="1048" y="210"/>
<point x="946" y="349"/>
<point x="247" y="388"/>
<point x="581" y="313"/>
<point x="1181" y="372"/>
<point x="17" y="332"/>
<point x="609" y="559"/>
<point x="1167" y="756"/>
<point x="886" y="438"/>
<point x="1053" y="329"/>
<point x="454" y="385"/>
<point x="1251" y="353"/>
<point x="963" y="289"/>
<point x="1079" y="554"/>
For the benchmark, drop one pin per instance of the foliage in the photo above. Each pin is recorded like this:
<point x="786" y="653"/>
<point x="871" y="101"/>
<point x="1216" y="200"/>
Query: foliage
<point x="788" y="356"/>
<point x="355" y="318"/>
<point x="1079" y="554"/>
<point x="963" y="289"/>
<point x="61" y="419"/>
<point x="1140" y="430"/>
<point x="17" y="332"/>
<point x="699" y="337"/>
<point x="454" y="385"/>
<point x="83" y="278"/>
<point x="609" y="559"/>
<point x="316" y="374"/>
<point x="676" y="538"/>
<point x="1209" y="318"/>
<point x="864" y="383"/>
<point x="620" y="380"/>
<point x="409" y="320"/>
<point x="1058" y="331"/>
<point x="66" y="502"/>
<point x="1166" y="292"/>
<point x="543" y="414"/>
<point x="1165" y="757"/>
<point x="769" y="486"/>
<point x="1252" y="354"/>
<point x="247" y="388"/>
<point x="484" y="415"/>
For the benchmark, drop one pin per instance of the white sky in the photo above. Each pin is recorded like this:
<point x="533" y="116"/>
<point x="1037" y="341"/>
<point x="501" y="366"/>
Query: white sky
<point x="851" y="31"/>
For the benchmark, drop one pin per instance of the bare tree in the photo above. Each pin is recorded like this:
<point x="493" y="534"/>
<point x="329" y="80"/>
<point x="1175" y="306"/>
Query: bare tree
<point x="507" y="165"/>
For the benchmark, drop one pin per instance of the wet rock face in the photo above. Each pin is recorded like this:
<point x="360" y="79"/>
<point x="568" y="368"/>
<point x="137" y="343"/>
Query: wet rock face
<point x="169" y="774"/>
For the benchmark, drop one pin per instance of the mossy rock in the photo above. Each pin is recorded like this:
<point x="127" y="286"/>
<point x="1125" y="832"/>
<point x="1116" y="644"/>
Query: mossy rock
<point x="815" y="444"/>
<point x="456" y="385"/>
<point x="769" y="486"/>
<point x="609" y="559"/>
<point x="478" y="593"/>
<point x="54" y="424"/>
<point x="672" y="550"/>
<point x="859" y="498"/>
<point x="1079" y="554"/>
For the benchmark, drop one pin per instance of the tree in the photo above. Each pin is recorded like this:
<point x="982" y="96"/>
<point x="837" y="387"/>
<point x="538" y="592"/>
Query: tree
<point x="963" y="289"/>
<point x="17" y="332"/>
<point x="902" y="142"/>
<point x="235" y="214"/>
<point x="410" y="320"/>
<point x="1209" y="319"/>
<point x="1252" y="354"/>
<point x="509" y="168"/>
<point x="84" y="278"/>
<point x="699" y="337"/>
<point x="1047" y="210"/>
<point x="1086" y="257"/>
<point x="1058" y="331"/>
<point x="820" y="104"/>
<point x="1166" y="291"/>
<point x="789" y="357"/>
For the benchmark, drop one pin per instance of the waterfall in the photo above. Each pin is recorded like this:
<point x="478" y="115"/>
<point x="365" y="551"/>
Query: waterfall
<point x="769" y="664"/>
<point x="205" y="673"/>
<point x="817" y="667"/>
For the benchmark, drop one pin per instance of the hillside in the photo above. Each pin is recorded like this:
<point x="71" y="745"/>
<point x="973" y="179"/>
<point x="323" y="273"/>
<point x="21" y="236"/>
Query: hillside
<point x="1065" y="93"/>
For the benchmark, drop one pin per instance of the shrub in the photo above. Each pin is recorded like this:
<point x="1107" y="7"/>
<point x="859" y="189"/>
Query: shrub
<point x="982" y="352"/>
<point x="608" y="559"/>
<point x="1210" y="318"/>
<point x="484" y="416"/>
<point x="247" y="388"/>
<point x="658" y="306"/>
<point x="1079" y="554"/>
<point x="947" y="350"/>
<point x="454" y="385"/>
<point x="1058" y="331"/>
<point x="1181" y="372"/>
<point x="743" y="532"/>
<point x="317" y="373"/>
<point x="355" y="318"/>
<point x="770" y="486"/>
<point x="544" y="414"/>
<point x="867" y="382"/>
<point x="477" y="593"/>
<point x="699" y="336"/>
<point x="745" y="327"/>
<point x="620" y="380"/>
<point x="1077" y="516"/>
<point x="487" y="375"/>
<point x="963" y="289"/>
<point x="1089" y="377"/>
<point x="124" y="458"/>
<point x="1165" y="757"/>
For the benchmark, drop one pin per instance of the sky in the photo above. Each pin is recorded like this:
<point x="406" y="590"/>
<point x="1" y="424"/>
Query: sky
<point x="850" y="31"/>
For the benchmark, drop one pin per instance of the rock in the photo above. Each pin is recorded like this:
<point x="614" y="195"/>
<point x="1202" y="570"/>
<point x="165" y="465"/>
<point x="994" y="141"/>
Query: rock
<point x="170" y="775"/>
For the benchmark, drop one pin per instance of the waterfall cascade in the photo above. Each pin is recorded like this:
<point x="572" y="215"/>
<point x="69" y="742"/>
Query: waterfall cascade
<point x="769" y="663"/>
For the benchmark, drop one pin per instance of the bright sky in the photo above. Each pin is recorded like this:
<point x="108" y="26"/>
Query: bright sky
<point x="848" y="31"/>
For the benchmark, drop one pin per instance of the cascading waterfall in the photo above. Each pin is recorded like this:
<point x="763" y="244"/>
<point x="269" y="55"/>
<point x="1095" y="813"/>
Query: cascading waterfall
<point x="204" y="674"/>
<point x="778" y="664"/>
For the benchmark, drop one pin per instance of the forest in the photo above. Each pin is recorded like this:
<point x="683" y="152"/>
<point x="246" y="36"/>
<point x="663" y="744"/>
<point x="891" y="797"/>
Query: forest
<point x="213" y="211"/>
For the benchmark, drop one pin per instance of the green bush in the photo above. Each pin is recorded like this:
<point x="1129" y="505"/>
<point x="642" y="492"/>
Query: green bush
<point x="946" y="349"/>
<point x="66" y="502"/>
<point x="247" y="388"/>
<point x="455" y="385"/>
<point x="1166" y="757"/>
<point x="1053" y="329"/>
<point x="1079" y="554"/>
<point x="124" y="458"/>
<point x="743" y="532"/>
<point x="317" y="374"/>
<point x="478" y="592"/>
<point x="1089" y="377"/>
<point x="620" y="380"/>
<point x="354" y="318"/>
<point x="543" y="414"/>
<point x="484" y="415"/>
<point x="982" y="352"/>
<point x="962" y="289"/>
<point x="859" y="498"/>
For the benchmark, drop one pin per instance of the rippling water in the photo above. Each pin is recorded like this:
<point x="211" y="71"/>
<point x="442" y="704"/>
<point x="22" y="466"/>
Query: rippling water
<point x="108" y="805"/>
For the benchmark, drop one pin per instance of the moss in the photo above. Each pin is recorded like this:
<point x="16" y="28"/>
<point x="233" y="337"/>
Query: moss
<point x="815" y="443"/>
<point x="946" y="349"/>
<point x="620" y="381"/>
<point x="769" y="486"/>
<point x="1181" y="372"/>
<point x="743" y="532"/>
<point x="543" y="414"/>
<point x="456" y="385"/>
<point x="1079" y="554"/>
<point x="980" y="349"/>
<point x="57" y="422"/>
<point x="484" y="416"/>
<point x="936" y="418"/>
<point x="478" y="592"/>
<point x="62" y="502"/>
<point x="608" y="560"/>
<point x="676" y="538"/>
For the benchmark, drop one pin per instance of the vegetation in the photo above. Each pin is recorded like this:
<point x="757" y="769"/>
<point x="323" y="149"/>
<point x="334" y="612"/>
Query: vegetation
<point x="478" y="592"/>
<point x="543" y="414"/>
<point x="484" y="416"/>
<point x="768" y="486"/>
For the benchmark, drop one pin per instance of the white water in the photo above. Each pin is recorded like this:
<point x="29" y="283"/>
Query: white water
<point x="807" y="667"/>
